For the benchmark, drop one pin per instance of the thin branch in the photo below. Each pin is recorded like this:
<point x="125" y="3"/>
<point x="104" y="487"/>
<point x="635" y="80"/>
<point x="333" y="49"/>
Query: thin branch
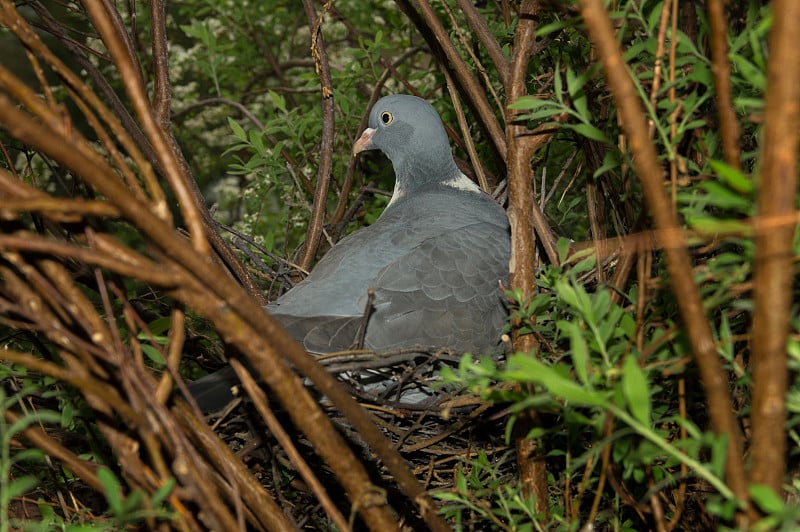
<point x="434" y="33"/>
<point x="104" y="22"/>
<point x="729" y="129"/>
<point x="162" y="90"/>
<point x="481" y="30"/>
<point x="317" y="218"/>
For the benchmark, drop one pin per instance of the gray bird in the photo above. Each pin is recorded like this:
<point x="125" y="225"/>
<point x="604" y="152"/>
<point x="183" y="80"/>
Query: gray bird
<point x="434" y="259"/>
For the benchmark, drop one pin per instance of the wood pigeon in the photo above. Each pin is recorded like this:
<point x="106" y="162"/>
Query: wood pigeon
<point x="433" y="259"/>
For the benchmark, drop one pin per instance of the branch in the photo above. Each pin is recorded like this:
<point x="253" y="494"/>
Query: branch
<point x="721" y="68"/>
<point x="481" y="30"/>
<point x="317" y="218"/>
<point x="521" y="206"/>
<point x="434" y="33"/>
<point x="773" y="275"/>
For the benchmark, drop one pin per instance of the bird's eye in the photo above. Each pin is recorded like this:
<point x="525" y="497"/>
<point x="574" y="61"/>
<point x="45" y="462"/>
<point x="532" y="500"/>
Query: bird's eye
<point x="387" y="117"/>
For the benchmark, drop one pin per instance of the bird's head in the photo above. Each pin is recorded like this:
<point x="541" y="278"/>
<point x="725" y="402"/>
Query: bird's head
<point x="409" y="131"/>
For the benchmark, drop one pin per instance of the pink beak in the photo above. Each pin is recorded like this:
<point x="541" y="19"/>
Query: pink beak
<point x="363" y="141"/>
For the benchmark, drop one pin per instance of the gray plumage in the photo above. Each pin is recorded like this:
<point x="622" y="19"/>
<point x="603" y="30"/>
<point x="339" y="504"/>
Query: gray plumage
<point x="434" y="258"/>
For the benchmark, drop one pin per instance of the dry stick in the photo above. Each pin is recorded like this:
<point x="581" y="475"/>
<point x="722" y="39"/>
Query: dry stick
<point x="470" y="50"/>
<point x="462" y="124"/>
<point x="773" y="275"/>
<point x="721" y="69"/>
<point x="103" y="22"/>
<point x="521" y="206"/>
<point x="314" y="231"/>
<point x="481" y="30"/>
<point x="280" y="434"/>
<point x="244" y="484"/>
<point x="434" y="33"/>
<point x="671" y="238"/>
<point x="84" y="469"/>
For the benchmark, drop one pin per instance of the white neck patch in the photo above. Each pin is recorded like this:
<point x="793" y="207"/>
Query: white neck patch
<point x="459" y="182"/>
<point x="462" y="182"/>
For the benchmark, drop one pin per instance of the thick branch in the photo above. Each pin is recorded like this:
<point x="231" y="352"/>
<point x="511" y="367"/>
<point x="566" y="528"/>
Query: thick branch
<point x="773" y="276"/>
<point x="521" y="206"/>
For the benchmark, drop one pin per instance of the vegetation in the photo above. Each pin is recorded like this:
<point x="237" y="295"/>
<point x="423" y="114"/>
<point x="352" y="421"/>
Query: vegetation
<point x="166" y="169"/>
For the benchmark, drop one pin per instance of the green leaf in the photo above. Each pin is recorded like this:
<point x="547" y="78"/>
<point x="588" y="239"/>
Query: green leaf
<point x="529" y="102"/>
<point x="589" y="131"/>
<point x="751" y="73"/>
<point x="710" y="225"/>
<point x="733" y="177"/>
<point x="524" y="368"/>
<point x="238" y="131"/>
<point x="111" y="489"/>
<point x="636" y="391"/>
<point x="21" y="486"/>
<point x="278" y="101"/>
<point x="766" y="499"/>
<point x="153" y="354"/>
<point x="579" y="350"/>
<point x="562" y="246"/>
<point x="160" y="326"/>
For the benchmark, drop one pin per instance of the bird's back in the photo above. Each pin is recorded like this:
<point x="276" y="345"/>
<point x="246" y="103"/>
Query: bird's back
<point x="434" y="262"/>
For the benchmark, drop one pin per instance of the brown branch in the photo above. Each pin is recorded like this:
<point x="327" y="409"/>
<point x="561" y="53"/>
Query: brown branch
<point x="84" y="469"/>
<point x="240" y="481"/>
<point x="317" y="218"/>
<point x="481" y="30"/>
<point x="247" y="327"/>
<point x="162" y="91"/>
<point x="462" y="124"/>
<point x="687" y="296"/>
<point x="721" y="68"/>
<point x="105" y="23"/>
<point x="773" y="275"/>
<point x="521" y="206"/>
<point x="434" y="33"/>
<point x="286" y="443"/>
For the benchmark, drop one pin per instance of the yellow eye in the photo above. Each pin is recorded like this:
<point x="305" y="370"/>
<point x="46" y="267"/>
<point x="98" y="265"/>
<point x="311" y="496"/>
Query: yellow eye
<point x="387" y="117"/>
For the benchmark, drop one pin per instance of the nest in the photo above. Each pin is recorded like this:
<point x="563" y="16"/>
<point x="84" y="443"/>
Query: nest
<point x="437" y="429"/>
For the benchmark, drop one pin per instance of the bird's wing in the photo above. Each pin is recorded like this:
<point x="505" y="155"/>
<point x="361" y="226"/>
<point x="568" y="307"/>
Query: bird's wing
<point x="443" y="292"/>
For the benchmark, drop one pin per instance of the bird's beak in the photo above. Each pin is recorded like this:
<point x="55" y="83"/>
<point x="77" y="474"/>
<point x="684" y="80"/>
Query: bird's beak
<point x="364" y="141"/>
